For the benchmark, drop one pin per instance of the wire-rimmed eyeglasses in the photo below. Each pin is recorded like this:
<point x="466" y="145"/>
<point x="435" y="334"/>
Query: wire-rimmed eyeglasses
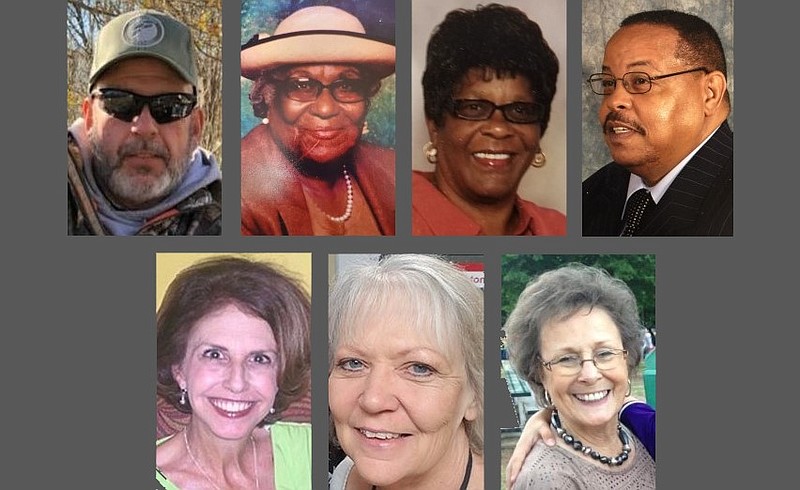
<point x="345" y="90"/>
<point x="603" y="360"/>
<point x="635" y="82"/>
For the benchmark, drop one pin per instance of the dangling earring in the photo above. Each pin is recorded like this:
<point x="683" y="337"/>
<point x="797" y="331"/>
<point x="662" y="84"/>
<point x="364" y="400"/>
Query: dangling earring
<point x="547" y="399"/>
<point x="629" y="388"/>
<point x="365" y="128"/>
<point x="183" y="399"/>
<point x="539" y="159"/>
<point x="265" y="121"/>
<point x="430" y="152"/>
<point x="272" y="410"/>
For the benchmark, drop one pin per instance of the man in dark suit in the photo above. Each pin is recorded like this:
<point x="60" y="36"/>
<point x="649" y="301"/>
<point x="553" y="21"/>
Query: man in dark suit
<point x="664" y="111"/>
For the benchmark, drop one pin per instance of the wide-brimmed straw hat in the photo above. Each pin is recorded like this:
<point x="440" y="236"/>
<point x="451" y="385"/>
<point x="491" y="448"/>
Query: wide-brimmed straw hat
<point x="319" y="34"/>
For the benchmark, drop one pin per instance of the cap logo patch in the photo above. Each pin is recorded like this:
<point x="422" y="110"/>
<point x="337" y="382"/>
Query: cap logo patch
<point x="143" y="31"/>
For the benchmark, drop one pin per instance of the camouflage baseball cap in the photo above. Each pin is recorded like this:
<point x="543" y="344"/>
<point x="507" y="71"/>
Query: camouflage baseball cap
<point x="145" y="33"/>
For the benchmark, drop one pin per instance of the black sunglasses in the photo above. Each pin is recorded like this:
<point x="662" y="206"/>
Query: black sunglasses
<point x="165" y="108"/>
<point x="515" y="112"/>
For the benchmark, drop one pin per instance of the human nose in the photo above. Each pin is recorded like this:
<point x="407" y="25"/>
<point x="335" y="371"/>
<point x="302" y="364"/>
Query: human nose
<point x="619" y="98"/>
<point x="144" y="124"/>
<point x="378" y="394"/>
<point x="588" y="370"/>
<point x="497" y="126"/>
<point x="325" y="106"/>
<point x="236" y="378"/>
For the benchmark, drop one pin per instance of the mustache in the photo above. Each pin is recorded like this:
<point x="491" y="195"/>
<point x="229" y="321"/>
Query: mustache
<point x="137" y="146"/>
<point x="618" y="117"/>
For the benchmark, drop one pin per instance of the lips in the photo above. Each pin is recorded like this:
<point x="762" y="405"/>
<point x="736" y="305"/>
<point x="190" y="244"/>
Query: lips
<point x="592" y="397"/>
<point x="232" y="408"/>
<point x="493" y="158"/>
<point x="616" y="127"/>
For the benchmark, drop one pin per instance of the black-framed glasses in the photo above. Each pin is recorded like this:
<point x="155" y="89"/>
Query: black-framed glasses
<point x="514" y="112"/>
<point x="635" y="82"/>
<point x="603" y="360"/>
<point x="345" y="90"/>
<point x="165" y="108"/>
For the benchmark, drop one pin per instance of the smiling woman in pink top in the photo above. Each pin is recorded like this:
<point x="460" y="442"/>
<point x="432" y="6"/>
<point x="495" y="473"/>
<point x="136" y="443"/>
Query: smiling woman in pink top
<point x="405" y="380"/>
<point x="486" y="109"/>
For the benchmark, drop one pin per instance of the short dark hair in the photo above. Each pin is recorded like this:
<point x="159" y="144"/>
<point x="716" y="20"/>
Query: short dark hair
<point x="257" y="288"/>
<point x="494" y="38"/>
<point x="699" y="43"/>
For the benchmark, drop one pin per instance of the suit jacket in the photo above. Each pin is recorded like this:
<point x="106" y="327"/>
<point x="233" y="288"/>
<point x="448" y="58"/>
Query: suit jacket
<point x="272" y="196"/>
<point x="699" y="202"/>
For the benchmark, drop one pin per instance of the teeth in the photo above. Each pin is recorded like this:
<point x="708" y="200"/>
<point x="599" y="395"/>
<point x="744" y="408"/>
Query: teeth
<point x="379" y="435"/>
<point x="619" y="130"/>
<point x="493" y="156"/>
<point x="592" y="397"/>
<point x="232" y="406"/>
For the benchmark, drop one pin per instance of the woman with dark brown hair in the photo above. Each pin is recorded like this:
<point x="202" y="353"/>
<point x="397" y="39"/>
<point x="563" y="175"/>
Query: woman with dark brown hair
<point x="233" y="351"/>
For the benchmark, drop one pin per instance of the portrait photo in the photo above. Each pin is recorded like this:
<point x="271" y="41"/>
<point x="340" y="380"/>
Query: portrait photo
<point x="657" y="118"/>
<point x="489" y="150"/>
<point x="578" y="355"/>
<point x="318" y="118"/>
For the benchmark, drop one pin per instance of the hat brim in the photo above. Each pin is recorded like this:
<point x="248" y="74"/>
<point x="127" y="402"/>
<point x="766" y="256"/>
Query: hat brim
<point x="317" y="47"/>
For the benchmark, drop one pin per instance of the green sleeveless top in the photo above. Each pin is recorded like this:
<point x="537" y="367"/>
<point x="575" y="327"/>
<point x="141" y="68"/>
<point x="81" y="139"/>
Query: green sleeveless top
<point x="291" y="451"/>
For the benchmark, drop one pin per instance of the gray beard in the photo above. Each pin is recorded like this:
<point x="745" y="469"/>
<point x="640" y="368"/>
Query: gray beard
<point x="124" y="193"/>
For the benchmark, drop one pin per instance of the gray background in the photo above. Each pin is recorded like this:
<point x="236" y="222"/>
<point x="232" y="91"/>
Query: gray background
<point x="78" y="366"/>
<point x="601" y="19"/>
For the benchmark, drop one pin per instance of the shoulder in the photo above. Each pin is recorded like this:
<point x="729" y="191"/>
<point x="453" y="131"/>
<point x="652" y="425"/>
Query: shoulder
<point x="609" y="173"/>
<point x="291" y="429"/>
<point x="545" y="221"/>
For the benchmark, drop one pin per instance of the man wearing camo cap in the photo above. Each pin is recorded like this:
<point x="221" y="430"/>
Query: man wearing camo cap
<point x="134" y="162"/>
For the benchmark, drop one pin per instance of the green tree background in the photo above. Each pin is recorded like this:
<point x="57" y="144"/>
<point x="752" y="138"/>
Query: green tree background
<point x="638" y="271"/>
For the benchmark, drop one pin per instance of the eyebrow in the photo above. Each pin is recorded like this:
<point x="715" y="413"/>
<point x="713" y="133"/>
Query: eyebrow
<point x="635" y="64"/>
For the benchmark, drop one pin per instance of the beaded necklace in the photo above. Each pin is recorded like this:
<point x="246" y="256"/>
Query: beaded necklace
<point x="555" y="421"/>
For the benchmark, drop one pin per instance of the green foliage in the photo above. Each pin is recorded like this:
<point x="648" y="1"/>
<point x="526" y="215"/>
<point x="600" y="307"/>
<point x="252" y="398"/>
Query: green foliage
<point x="638" y="271"/>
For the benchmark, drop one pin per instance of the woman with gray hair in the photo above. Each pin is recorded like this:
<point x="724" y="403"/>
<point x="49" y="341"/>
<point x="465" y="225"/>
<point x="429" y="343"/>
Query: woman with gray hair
<point x="405" y="379"/>
<point x="305" y="170"/>
<point x="575" y="335"/>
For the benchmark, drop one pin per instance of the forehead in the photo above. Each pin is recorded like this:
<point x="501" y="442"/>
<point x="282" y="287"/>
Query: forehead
<point x="400" y="313"/>
<point x="641" y="45"/>
<point x="583" y="329"/>
<point x="230" y="326"/>
<point x="148" y="75"/>
<point x="486" y="82"/>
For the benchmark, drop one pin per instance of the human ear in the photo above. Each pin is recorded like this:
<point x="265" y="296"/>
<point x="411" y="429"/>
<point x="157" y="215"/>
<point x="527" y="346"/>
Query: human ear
<point x="433" y="131"/>
<point x="197" y="123"/>
<point x="715" y="87"/>
<point x="177" y="373"/>
<point x="88" y="113"/>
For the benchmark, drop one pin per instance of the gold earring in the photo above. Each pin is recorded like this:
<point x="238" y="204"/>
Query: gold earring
<point x="539" y="159"/>
<point x="430" y="152"/>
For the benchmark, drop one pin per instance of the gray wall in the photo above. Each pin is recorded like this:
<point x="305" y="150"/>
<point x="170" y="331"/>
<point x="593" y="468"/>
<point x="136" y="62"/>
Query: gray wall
<point x="601" y="19"/>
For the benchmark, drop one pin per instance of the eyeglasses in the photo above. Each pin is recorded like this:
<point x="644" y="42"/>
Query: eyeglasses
<point x="514" y="112"/>
<point x="165" y="108"/>
<point x="572" y="363"/>
<point x="635" y="82"/>
<point x="345" y="90"/>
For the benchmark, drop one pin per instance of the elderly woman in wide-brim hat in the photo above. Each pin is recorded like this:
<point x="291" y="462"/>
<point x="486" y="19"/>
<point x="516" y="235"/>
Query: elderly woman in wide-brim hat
<point x="305" y="170"/>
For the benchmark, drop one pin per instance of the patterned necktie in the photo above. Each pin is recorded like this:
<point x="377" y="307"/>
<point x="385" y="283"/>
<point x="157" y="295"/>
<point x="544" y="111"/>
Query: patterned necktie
<point x="634" y="210"/>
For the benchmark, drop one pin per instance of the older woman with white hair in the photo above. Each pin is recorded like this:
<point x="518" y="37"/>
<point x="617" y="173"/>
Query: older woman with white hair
<point x="305" y="170"/>
<point x="405" y="379"/>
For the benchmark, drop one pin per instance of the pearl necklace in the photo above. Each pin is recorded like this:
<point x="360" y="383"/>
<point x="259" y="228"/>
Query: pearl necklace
<point x="348" y="210"/>
<point x="555" y="421"/>
<point x="188" y="450"/>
